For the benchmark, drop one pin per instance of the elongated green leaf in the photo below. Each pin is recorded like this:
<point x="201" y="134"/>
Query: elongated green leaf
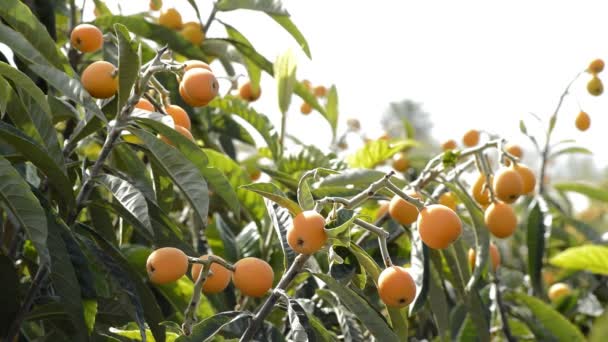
<point x="437" y="299"/>
<point x="124" y="159"/>
<point x="553" y="321"/>
<point x="398" y="316"/>
<point x="129" y="197"/>
<point x="376" y="152"/>
<point x="40" y="158"/>
<point x="259" y="121"/>
<point x="569" y="150"/>
<point x="128" y="64"/>
<point x="421" y="269"/>
<point x="163" y="187"/>
<point x="599" y="330"/>
<point x="5" y="93"/>
<point x="309" y="97"/>
<point x="272" y="192"/>
<point x="299" y="323"/>
<point x="209" y="327"/>
<point x="17" y="197"/>
<point x="254" y="71"/>
<point x="183" y="173"/>
<point x="331" y="110"/>
<point x="24" y="82"/>
<point x="160" y="34"/>
<point x="268" y="6"/>
<point x="536" y="244"/>
<point x="290" y="27"/>
<point x="63" y="274"/>
<point x="61" y="110"/>
<point x="231" y="252"/>
<point x="593" y="192"/>
<point x="20" y="46"/>
<point x="591" y="258"/>
<point x="281" y="221"/>
<point x="237" y="177"/>
<point x="305" y="198"/>
<point x="68" y="86"/>
<point x="369" y="317"/>
<point x="285" y="74"/>
<point x="20" y="17"/>
<point x="221" y="185"/>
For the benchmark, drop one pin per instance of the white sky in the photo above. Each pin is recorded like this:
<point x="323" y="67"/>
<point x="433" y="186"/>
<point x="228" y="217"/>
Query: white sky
<point x="472" y="64"/>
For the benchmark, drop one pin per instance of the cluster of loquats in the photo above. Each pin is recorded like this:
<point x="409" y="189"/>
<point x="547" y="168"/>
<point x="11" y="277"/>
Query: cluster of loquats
<point x="252" y="276"/>
<point x="172" y="19"/>
<point x="595" y="87"/>
<point x="319" y="91"/>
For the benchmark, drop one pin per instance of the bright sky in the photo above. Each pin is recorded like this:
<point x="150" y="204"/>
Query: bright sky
<point x="472" y="64"/>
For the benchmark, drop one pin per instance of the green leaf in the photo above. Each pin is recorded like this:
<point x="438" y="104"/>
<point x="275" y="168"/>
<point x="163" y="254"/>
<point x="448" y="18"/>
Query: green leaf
<point x="570" y="150"/>
<point x="285" y="74"/>
<point x="268" y="6"/>
<point x="599" y="330"/>
<point x="369" y="317"/>
<point x="357" y="178"/>
<point x="305" y="94"/>
<point x="299" y="324"/>
<point x="40" y="158"/>
<point x="21" y="202"/>
<point x="590" y="258"/>
<point x="19" y="16"/>
<point x="290" y="27"/>
<point x="237" y="177"/>
<point x="305" y="198"/>
<point x="63" y="275"/>
<point x="254" y="71"/>
<point x="538" y="221"/>
<point x="209" y="327"/>
<point x="129" y="197"/>
<point x="160" y="34"/>
<point x="281" y="221"/>
<point x="61" y="110"/>
<point x="273" y="193"/>
<point x="22" y="81"/>
<point x="125" y="160"/>
<point x="259" y="121"/>
<point x="128" y="64"/>
<point x="331" y="111"/>
<point x="553" y="321"/>
<point x="183" y="173"/>
<point x="437" y="298"/>
<point x="20" y="46"/>
<point x="5" y="94"/>
<point x="376" y="152"/>
<point x="342" y="222"/>
<point x="231" y="252"/>
<point x="593" y="192"/>
<point x="68" y="86"/>
<point x="221" y="185"/>
<point x="421" y="269"/>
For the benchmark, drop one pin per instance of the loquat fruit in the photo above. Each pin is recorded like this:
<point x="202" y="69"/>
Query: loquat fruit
<point x="595" y="86"/>
<point x="396" y="287"/>
<point x="438" y="226"/>
<point x="144" y="105"/>
<point x="307" y="233"/>
<point x="100" y="79"/>
<point x="200" y="85"/>
<point x="246" y="92"/>
<point x="400" y="162"/>
<point x="217" y="280"/>
<point x="402" y="211"/>
<point x="305" y="108"/>
<point x="583" y="121"/>
<point x="449" y="200"/>
<point x="449" y="145"/>
<point x="558" y="290"/>
<point x="170" y="18"/>
<point x="596" y="66"/>
<point x="166" y="265"/>
<point x="252" y="276"/>
<point x="494" y="257"/>
<point x="86" y="38"/>
<point x="507" y="185"/>
<point x="480" y="190"/>
<point x="179" y="115"/>
<point x="500" y="219"/>
<point x="527" y="176"/>
<point x="471" y="138"/>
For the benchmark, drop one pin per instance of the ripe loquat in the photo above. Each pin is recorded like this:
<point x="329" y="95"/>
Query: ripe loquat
<point x="583" y="121"/>
<point x="471" y="138"/>
<point x="305" y="108"/>
<point x="179" y="115"/>
<point x="500" y="219"/>
<point x="494" y="257"/>
<point x="145" y="105"/>
<point x="596" y="66"/>
<point x="438" y="226"/>
<point x="166" y="265"/>
<point x="507" y="185"/>
<point x="595" y="86"/>
<point x="527" y="176"/>
<point x="320" y="91"/>
<point x="155" y="5"/>
<point x="402" y="211"/>
<point x="86" y="38"/>
<point x="100" y="79"/>
<point x="170" y="18"/>
<point x="246" y="92"/>
<point x="200" y="85"/>
<point x="449" y="200"/>
<point x="480" y="190"/>
<point x="449" y="145"/>
<point x="252" y="276"/>
<point x="396" y="287"/>
<point x="193" y="33"/>
<point x="195" y="63"/>
<point x="558" y="290"/>
<point x="400" y="162"/>
<point x="217" y="280"/>
<point x="307" y="233"/>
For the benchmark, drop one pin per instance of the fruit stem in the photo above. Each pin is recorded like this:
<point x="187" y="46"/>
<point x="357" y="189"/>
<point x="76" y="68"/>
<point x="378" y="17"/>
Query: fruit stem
<point x="164" y="93"/>
<point x="482" y="161"/>
<point x="411" y="200"/>
<point x="270" y="302"/>
<point x="210" y="260"/>
<point x="190" y="314"/>
<point x="155" y="103"/>
<point x="382" y="237"/>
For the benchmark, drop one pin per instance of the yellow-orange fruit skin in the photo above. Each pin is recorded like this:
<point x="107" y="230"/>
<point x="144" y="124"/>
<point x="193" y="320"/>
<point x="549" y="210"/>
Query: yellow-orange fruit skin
<point x="255" y="175"/>
<point x="217" y="280"/>
<point x="514" y="150"/>
<point x="449" y="145"/>
<point x="558" y="290"/>
<point x="200" y="85"/>
<point x="188" y="99"/>
<point x="86" y="38"/>
<point x="179" y="115"/>
<point x="396" y="287"/>
<point x="507" y="185"/>
<point x="527" y="177"/>
<point x="470" y="138"/>
<point x="252" y="276"/>
<point x="400" y="162"/>
<point x="246" y="92"/>
<point x="448" y="199"/>
<point x="438" y="226"/>
<point x="170" y="18"/>
<point x="595" y="86"/>
<point x="156" y="5"/>
<point x="180" y="129"/>
<point x="481" y="197"/>
<point x="145" y="105"/>
<point x="494" y="257"/>
<point x="305" y="108"/>
<point x="402" y="211"/>
<point x="596" y="66"/>
<point x="166" y="265"/>
<point x="500" y="219"/>
<point x="320" y="91"/>
<point x="100" y="79"/>
<point x="195" y="63"/>
<point x="307" y="233"/>
<point x="583" y="121"/>
<point x="193" y="33"/>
